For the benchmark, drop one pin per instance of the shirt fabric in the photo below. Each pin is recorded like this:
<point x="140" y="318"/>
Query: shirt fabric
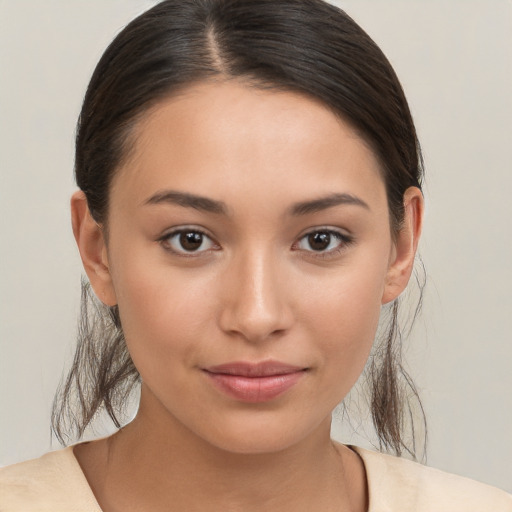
<point x="55" y="482"/>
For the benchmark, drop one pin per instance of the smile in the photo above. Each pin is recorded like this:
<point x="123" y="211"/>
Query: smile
<point x="254" y="383"/>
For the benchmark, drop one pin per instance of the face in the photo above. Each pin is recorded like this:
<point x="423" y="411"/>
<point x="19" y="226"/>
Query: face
<point x="249" y="252"/>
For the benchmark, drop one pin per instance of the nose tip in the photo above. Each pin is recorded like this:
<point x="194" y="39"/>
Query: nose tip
<point x="255" y="306"/>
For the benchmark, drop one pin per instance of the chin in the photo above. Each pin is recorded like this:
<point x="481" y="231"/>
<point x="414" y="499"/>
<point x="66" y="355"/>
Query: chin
<point x="264" y="435"/>
<point x="252" y="445"/>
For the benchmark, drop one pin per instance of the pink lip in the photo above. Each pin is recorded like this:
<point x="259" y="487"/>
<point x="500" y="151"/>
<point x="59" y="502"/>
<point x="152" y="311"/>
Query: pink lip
<point x="254" y="382"/>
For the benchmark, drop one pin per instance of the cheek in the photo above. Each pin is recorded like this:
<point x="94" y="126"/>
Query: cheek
<point x="162" y="311"/>
<point x="343" y="317"/>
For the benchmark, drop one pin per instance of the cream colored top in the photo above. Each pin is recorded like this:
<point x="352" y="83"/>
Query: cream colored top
<point x="56" y="483"/>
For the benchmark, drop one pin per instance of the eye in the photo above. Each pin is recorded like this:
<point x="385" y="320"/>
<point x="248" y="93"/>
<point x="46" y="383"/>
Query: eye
<point x="323" y="241"/>
<point x="188" y="242"/>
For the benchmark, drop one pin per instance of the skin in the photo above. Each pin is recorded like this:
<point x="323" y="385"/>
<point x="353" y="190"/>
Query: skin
<point x="254" y="291"/>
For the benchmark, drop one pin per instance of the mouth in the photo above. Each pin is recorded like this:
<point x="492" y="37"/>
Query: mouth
<point x="254" y="382"/>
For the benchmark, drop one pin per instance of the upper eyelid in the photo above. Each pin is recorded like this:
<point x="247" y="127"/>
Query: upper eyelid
<point x="191" y="228"/>
<point x="326" y="229"/>
<point x="184" y="229"/>
<point x="333" y="232"/>
<point x="178" y="230"/>
<point x="344" y="238"/>
<point x="181" y="229"/>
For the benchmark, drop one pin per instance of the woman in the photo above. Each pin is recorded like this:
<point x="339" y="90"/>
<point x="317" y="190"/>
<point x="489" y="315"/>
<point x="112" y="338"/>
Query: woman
<point x="249" y="199"/>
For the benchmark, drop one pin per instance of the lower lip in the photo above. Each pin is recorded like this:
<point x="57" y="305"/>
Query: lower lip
<point x="255" y="389"/>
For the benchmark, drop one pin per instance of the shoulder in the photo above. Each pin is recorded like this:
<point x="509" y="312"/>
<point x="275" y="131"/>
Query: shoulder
<point x="53" y="482"/>
<point x="397" y="485"/>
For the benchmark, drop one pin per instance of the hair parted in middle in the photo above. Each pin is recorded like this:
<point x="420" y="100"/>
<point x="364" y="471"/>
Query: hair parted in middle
<point x="305" y="46"/>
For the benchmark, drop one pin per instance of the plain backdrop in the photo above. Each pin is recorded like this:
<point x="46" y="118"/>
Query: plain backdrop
<point x="454" y="58"/>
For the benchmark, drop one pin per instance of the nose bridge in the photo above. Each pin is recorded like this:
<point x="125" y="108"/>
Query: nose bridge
<point x="255" y="304"/>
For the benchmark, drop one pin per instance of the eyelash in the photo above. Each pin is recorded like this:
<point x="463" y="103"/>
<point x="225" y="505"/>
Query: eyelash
<point x="165" y="242"/>
<point x="343" y="239"/>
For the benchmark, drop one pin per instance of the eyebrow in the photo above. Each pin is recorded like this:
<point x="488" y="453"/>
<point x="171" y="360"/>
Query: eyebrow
<point x="323" y="203"/>
<point x="188" y="201"/>
<point x="206" y="204"/>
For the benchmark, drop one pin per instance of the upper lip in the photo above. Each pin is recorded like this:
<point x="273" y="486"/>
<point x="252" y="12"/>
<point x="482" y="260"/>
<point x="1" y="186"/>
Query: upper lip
<point x="248" y="369"/>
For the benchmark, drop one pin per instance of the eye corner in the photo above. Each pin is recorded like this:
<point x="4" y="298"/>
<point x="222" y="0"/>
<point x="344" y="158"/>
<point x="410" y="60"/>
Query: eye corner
<point x="172" y="242"/>
<point x="326" y="248"/>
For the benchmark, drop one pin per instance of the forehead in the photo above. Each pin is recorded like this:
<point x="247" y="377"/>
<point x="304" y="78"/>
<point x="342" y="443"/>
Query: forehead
<point x="228" y="138"/>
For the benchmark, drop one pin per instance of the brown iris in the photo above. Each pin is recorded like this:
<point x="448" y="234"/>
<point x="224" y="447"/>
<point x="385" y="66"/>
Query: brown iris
<point x="319" y="241"/>
<point x="191" y="241"/>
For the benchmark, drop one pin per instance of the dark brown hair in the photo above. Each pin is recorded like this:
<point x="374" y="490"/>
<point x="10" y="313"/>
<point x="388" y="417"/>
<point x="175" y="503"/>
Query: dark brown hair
<point x="306" y="46"/>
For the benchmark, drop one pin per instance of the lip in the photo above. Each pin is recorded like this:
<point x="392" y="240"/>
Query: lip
<point x="255" y="382"/>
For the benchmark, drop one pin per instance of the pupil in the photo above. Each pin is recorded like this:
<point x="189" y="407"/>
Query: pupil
<point x="191" y="241"/>
<point x="319" y="241"/>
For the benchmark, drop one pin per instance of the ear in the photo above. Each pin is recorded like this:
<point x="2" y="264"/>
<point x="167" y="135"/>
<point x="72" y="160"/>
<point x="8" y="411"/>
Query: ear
<point x="405" y="246"/>
<point x="91" y="243"/>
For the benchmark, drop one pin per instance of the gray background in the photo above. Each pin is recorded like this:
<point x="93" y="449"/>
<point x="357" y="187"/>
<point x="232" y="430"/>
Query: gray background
<point x="454" y="58"/>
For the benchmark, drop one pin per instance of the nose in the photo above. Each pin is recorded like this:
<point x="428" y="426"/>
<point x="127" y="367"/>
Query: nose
<point x="254" y="305"/>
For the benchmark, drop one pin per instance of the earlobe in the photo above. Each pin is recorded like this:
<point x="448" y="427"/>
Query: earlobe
<point x="406" y="244"/>
<point x="91" y="243"/>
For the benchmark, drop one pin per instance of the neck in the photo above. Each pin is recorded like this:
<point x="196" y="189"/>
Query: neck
<point x="192" y="474"/>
